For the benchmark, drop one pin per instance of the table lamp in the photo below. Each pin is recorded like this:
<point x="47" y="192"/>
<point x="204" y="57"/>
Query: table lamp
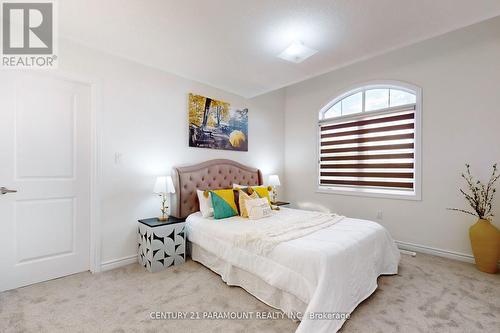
<point x="274" y="182"/>
<point x="163" y="187"/>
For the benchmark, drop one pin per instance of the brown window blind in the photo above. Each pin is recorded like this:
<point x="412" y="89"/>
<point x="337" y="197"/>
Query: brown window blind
<point x="369" y="151"/>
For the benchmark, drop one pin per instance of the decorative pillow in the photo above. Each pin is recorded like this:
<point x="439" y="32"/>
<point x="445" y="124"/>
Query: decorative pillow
<point x="223" y="203"/>
<point x="237" y="188"/>
<point x="237" y="197"/>
<point x="258" y="208"/>
<point x="206" y="207"/>
<point x="262" y="192"/>
<point x="242" y="199"/>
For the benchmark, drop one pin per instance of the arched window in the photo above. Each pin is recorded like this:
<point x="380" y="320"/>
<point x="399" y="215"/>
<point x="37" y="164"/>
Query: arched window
<point x="369" y="142"/>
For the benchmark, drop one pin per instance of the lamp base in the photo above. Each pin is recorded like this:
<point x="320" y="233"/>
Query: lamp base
<point x="163" y="218"/>
<point x="274" y="199"/>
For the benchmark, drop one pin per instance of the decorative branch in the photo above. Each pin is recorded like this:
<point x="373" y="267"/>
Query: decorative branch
<point x="480" y="196"/>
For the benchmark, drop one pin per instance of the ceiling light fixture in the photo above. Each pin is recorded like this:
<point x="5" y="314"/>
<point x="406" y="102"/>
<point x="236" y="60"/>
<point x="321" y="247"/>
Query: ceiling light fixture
<point x="297" y="52"/>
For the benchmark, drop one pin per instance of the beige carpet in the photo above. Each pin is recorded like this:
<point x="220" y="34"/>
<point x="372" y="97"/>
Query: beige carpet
<point x="430" y="294"/>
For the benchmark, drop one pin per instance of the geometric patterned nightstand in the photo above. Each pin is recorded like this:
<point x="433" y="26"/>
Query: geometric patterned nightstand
<point x="161" y="243"/>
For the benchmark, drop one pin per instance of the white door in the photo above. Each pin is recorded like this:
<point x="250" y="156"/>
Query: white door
<point x="45" y="157"/>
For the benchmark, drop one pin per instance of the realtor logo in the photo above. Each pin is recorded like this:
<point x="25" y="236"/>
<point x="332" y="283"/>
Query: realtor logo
<point x="28" y="34"/>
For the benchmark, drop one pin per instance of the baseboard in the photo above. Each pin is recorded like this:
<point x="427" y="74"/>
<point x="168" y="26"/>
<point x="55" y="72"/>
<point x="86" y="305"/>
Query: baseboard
<point x="437" y="252"/>
<point x="115" y="263"/>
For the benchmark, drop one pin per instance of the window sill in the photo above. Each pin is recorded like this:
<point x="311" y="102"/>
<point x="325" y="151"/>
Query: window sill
<point x="412" y="196"/>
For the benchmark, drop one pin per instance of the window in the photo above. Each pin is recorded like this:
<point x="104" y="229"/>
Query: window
<point x="368" y="142"/>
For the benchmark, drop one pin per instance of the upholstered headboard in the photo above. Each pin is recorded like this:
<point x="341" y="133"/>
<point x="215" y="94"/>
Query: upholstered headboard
<point x="209" y="175"/>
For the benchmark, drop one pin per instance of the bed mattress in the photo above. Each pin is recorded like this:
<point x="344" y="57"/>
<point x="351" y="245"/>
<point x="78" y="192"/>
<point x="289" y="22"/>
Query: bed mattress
<point x="331" y="270"/>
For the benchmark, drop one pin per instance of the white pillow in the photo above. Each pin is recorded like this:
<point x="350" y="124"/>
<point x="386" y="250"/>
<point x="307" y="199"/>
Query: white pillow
<point x="206" y="207"/>
<point x="258" y="208"/>
<point x="239" y="186"/>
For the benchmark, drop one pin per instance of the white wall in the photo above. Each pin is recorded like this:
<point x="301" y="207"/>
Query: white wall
<point x="144" y="118"/>
<point x="460" y="77"/>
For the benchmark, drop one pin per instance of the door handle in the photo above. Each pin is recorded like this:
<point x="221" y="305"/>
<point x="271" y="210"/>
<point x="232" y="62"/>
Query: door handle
<point x="5" y="190"/>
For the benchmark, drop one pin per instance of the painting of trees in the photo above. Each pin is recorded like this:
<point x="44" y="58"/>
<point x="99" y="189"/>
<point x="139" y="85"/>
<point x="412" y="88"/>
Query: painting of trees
<point x="221" y="112"/>
<point x="213" y="124"/>
<point x="196" y="109"/>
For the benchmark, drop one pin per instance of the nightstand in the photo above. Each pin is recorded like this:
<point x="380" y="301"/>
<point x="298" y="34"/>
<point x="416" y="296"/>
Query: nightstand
<point x="280" y="203"/>
<point x="161" y="243"/>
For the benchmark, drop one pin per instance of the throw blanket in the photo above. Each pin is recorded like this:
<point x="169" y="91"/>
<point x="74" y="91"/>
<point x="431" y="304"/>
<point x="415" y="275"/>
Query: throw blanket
<point x="272" y="233"/>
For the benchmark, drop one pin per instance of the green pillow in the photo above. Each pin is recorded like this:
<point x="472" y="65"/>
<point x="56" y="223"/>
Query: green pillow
<point x="223" y="203"/>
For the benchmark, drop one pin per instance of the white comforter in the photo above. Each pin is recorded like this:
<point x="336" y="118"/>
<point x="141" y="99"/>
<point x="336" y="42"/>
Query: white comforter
<point x="332" y="269"/>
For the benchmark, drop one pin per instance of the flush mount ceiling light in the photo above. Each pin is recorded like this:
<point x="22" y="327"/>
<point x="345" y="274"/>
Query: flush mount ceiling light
<point x="297" y="52"/>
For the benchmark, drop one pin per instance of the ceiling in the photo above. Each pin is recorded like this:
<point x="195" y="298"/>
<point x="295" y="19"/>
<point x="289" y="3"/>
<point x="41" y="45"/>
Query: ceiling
<point x="232" y="44"/>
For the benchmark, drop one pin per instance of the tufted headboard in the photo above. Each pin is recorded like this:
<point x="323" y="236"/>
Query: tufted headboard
<point x="209" y="175"/>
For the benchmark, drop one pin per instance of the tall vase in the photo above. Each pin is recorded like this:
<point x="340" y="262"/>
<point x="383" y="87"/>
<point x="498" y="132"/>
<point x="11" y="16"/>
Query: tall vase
<point x="485" y="241"/>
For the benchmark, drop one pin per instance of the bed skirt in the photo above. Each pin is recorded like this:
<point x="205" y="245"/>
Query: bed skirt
<point x="234" y="276"/>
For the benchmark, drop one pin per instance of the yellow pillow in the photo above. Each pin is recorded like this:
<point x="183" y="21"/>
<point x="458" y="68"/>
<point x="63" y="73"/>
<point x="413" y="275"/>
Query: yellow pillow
<point x="262" y="192"/>
<point x="243" y="197"/>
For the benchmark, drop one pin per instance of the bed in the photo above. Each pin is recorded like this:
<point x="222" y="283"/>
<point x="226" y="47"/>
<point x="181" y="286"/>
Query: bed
<point x="319" y="277"/>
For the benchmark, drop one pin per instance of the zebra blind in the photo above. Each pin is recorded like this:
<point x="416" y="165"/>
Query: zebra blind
<point x="376" y="151"/>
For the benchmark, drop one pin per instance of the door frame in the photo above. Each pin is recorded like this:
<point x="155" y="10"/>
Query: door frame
<point x="95" y="161"/>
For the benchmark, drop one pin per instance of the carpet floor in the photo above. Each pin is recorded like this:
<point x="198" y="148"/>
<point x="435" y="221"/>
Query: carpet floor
<point x="430" y="294"/>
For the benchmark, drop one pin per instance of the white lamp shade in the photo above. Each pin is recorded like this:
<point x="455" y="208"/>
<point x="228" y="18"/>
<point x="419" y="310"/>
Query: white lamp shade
<point x="274" y="180"/>
<point x="163" y="185"/>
